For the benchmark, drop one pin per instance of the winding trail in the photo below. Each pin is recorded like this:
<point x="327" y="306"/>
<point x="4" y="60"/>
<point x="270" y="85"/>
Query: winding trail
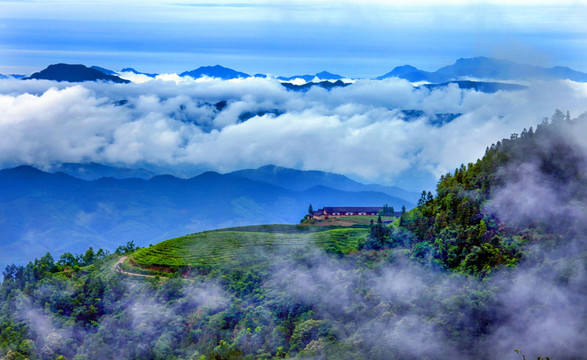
<point x="118" y="269"/>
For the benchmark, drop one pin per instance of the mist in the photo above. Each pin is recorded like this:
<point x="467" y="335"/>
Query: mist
<point x="399" y="309"/>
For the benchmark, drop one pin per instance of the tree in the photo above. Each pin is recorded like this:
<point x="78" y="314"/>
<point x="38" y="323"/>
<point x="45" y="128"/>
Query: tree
<point x="422" y="199"/>
<point x="68" y="259"/>
<point x="378" y="235"/>
<point x="129" y="248"/>
<point x="89" y="257"/>
<point x="102" y="254"/>
<point x="558" y="117"/>
<point x="310" y="210"/>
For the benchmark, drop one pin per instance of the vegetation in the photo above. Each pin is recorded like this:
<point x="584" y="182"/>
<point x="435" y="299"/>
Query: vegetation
<point x="426" y="287"/>
<point x="204" y="252"/>
<point x="460" y="230"/>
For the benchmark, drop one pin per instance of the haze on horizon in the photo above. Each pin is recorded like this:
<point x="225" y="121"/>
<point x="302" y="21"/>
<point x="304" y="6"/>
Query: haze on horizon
<point x="352" y="38"/>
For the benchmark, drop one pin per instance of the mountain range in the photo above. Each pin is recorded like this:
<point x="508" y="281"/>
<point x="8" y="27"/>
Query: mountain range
<point x="485" y="68"/>
<point x="323" y="84"/>
<point x="324" y="75"/>
<point x="56" y="212"/>
<point x="291" y="179"/>
<point x="74" y="73"/>
<point x="216" y="71"/>
<point x="482" y="74"/>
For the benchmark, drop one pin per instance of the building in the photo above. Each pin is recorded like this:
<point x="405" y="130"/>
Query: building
<point x="327" y="212"/>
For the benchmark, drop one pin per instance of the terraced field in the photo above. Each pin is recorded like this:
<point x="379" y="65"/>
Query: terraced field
<point x="242" y="246"/>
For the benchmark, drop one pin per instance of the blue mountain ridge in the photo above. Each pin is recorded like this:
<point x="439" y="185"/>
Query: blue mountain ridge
<point x="55" y="212"/>
<point x="299" y="180"/>
<point x="216" y="71"/>
<point x="481" y="86"/>
<point x="291" y="179"/>
<point x="485" y="68"/>
<point x="307" y="86"/>
<point x="74" y="73"/>
<point x="462" y="70"/>
<point x="94" y="171"/>
<point x="323" y="75"/>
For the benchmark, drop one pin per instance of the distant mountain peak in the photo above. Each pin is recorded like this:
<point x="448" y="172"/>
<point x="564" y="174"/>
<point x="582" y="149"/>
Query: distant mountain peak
<point x="216" y="71"/>
<point x="323" y="75"/>
<point x="407" y="72"/>
<point x="403" y="69"/>
<point x="23" y="169"/>
<point x="483" y="67"/>
<point x="74" y="73"/>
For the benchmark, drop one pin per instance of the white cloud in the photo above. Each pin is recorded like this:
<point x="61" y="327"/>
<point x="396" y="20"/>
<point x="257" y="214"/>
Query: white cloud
<point x="357" y="130"/>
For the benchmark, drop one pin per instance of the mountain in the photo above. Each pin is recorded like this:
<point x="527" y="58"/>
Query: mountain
<point x="94" y="171"/>
<point x="301" y="180"/>
<point x="407" y="72"/>
<point x="42" y="212"/>
<point x="216" y="71"/>
<point x="490" y="206"/>
<point x="486" y="68"/>
<point x="11" y="76"/>
<point x="324" y="75"/>
<point x="489" y="68"/>
<point x="74" y="73"/>
<point x="103" y="70"/>
<point x="131" y="70"/>
<point x="438" y="119"/>
<point x="323" y="84"/>
<point x="494" y="262"/>
<point x="481" y="86"/>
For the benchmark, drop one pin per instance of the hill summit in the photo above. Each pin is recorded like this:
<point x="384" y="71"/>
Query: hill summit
<point x="74" y="73"/>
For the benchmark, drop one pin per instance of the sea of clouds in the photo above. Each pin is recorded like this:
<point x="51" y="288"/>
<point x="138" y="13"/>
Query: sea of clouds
<point x="172" y="124"/>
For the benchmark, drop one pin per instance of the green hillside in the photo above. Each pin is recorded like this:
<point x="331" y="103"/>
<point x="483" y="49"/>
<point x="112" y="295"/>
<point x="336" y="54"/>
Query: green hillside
<point x="244" y="247"/>
<point x="495" y="262"/>
<point x="530" y="189"/>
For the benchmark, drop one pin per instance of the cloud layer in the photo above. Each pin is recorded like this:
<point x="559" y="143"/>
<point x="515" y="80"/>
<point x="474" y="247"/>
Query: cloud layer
<point x="175" y="124"/>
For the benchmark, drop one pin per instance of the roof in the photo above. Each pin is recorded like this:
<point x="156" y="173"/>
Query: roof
<point x="331" y="210"/>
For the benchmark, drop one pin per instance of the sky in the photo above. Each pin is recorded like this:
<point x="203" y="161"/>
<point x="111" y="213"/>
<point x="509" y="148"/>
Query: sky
<point x="352" y="38"/>
<point x="170" y="124"/>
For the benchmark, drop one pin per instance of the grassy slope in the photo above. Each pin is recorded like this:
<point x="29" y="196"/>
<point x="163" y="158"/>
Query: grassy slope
<point x="245" y="245"/>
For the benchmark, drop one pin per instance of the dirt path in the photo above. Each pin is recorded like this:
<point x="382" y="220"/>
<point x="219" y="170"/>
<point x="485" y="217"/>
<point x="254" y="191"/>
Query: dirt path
<point x="118" y="269"/>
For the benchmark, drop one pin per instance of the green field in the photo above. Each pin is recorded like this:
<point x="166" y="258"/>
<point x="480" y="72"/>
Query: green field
<point x="245" y="246"/>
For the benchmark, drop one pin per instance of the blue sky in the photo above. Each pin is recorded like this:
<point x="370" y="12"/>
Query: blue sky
<point x="353" y="38"/>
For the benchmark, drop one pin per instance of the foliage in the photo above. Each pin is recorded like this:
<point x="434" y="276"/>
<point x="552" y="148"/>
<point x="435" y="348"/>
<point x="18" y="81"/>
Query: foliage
<point x="406" y="291"/>
<point x="210" y="250"/>
<point x="129" y="248"/>
<point x="457" y="230"/>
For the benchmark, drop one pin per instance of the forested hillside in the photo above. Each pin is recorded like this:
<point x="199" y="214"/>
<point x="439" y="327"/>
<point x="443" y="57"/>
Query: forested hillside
<point x="495" y="262"/>
<point x="528" y="189"/>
